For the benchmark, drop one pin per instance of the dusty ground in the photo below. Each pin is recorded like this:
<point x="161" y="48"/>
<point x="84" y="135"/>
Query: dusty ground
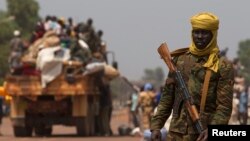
<point x="62" y="133"/>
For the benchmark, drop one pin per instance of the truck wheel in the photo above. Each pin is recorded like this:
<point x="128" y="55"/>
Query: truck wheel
<point x="86" y="125"/>
<point x="91" y="119"/>
<point x="43" y="131"/>
<point x="82" y="127"/>
<point x="20" y="131"/>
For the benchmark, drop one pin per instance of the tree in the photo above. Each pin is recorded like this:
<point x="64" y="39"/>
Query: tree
<point x="155" y="76"/>
<point x="25" y="13"/>
<point x="20" y="15"/>
<point x="243" y="55"/>
<point x="9" y="25"/>
<point x="5" y="36"/>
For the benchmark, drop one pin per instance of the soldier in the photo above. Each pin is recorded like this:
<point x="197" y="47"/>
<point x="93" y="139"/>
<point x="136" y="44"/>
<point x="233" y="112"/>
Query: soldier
<point x="146" y="102"/>
<point x="194" y="62"/>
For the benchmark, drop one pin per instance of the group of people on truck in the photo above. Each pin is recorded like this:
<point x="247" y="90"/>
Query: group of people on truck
<point x="83" y="43"/>
<point x="55" y="40"/>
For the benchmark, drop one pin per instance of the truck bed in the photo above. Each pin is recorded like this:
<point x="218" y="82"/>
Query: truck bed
<point x="31" y="85"/>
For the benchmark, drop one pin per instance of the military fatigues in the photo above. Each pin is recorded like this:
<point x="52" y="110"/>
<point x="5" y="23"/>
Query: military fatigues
<point x="218" y="106"/>
<point x="146" y="99"/>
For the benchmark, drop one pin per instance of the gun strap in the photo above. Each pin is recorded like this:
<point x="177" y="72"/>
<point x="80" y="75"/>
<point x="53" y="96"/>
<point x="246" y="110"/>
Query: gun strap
<point x="205" y="89"/>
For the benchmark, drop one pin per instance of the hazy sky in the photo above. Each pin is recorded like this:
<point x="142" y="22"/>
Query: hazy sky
<point x="135" y="29"/>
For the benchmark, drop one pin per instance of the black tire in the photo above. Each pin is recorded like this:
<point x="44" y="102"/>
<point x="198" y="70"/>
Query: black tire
<point x="85" y="126"/>
<point x="91" y="119"/>
<point x="20" y="131"/>
<point x="82" y="127"/>
<point x="43" y="131"/>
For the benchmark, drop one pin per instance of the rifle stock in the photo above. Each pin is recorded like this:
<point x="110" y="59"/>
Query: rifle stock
<point x="188" y="101"/>
<point x="165" y="55"/>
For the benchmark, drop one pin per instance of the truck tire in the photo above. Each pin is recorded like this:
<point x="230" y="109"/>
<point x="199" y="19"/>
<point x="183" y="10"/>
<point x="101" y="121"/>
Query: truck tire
<point x="82" y="127"/>
<point x="43" y="131"/>
<point x="20" y="131"/>
<point x="85" y="126"/>
<point x="91" y="119"/>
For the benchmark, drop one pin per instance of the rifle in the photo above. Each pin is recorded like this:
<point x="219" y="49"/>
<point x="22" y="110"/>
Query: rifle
<point x="188" y="100"/>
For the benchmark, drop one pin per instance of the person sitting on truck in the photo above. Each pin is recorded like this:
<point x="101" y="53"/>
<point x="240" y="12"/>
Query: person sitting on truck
<point x="17" y="49"/>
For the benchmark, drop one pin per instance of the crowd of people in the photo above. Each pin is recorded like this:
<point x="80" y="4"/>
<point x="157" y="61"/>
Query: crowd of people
<point x="142" y="105"/>
<point x="241" y="98"/>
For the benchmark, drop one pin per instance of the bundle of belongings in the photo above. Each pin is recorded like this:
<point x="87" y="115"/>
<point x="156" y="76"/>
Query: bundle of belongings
<point x="109" y="71"/>
<point x="48" y="56"/>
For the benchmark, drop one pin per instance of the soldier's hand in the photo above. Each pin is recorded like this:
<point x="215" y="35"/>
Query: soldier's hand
<point x="156" y="135"/>
<point x="203" y="136"/>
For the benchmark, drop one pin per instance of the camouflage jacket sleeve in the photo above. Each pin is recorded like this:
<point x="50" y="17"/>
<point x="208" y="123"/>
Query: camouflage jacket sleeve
<point x="165" y="105"/>
<point x="224" y="94"/>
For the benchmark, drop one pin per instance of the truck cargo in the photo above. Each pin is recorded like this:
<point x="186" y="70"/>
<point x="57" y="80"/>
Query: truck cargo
<point x="55" y="77"/>
<point x="70" y="102"/>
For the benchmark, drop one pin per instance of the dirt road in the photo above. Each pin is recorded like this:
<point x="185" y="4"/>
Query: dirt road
<point x="62" y="133"/>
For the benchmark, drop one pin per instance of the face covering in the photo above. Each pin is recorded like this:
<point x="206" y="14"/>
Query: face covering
<point x="207" y="21"/>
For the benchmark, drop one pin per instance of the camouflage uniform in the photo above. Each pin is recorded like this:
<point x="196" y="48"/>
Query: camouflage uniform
<point x="218" y="106"/>
<point x="146" y="99"/>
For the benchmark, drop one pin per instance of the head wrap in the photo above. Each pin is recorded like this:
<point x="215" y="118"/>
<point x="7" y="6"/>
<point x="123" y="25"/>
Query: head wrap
<point x="207" y="21"/>
<point x="16" y="33"/>
<point x="148" y="87"/>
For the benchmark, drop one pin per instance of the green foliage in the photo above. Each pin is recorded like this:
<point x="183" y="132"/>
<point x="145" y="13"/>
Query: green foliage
<point x="2" y="15"/>
<point x="21" y="14"/>
<point x="6" y="33"/>
<point x="155" y="76"/>
<point x="243" y="55"/>
<point x="4" y="59"/>
<point x="244" y="52"/>
<point x="8" y="25"/>
<point x="25" y="13"/>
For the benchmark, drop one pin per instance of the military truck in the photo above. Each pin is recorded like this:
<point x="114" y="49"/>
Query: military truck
<point x="70" y="101"/>
<point x="72" y="97"/>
